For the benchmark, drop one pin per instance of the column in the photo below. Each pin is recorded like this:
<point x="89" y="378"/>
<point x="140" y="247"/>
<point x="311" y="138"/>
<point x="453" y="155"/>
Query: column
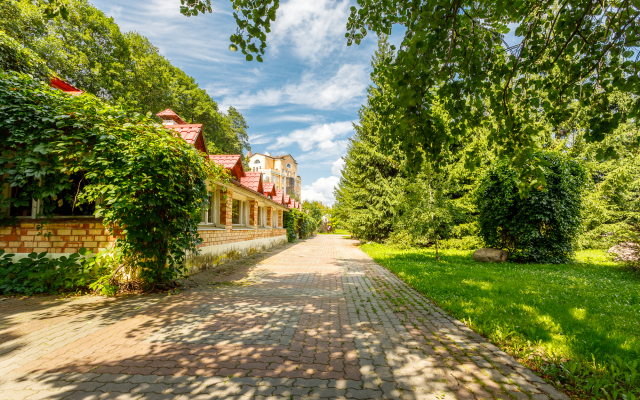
<point x="226" y="209"/>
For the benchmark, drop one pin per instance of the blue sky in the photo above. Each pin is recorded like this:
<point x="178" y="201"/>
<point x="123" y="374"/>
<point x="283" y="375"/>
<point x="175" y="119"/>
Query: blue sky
<point x="301" y="100"/>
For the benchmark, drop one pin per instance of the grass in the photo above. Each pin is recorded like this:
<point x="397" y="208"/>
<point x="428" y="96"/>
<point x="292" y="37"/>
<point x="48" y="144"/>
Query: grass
<point x="578" y="324"/>
<point x="337" y="232"/>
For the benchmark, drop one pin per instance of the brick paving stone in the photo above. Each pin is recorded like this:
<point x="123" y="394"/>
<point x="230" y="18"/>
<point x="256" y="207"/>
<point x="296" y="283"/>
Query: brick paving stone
<point x="318" y="320"/>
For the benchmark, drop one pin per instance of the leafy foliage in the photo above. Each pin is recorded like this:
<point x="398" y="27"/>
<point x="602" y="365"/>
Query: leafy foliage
<point x="88" y="50"/>
<point x="541" y="227"/>
<point x="253" y="19"/>
<point x="14" y="57"/>
<point x="570" y="53"/>
<point x="38" y="273"/>
<point x="299" y="224"/>
<point x="367" y="193"/>
<point x="151" y="183"/>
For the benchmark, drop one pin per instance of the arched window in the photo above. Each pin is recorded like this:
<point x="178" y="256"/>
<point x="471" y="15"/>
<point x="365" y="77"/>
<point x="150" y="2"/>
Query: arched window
<point x="256" y="162"/>
<point x="288" y="165"/>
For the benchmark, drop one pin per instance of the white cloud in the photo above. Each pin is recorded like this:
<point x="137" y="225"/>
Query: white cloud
<point x="347" y="86"/>
<point x="294" y="118"/>
<point x="336" y="167"/>
<point x="177" y="37"/>
<point x="314" y="28"/>
<point x="321" y="190"/>
<point x="259" y="139"/>
<point x="319" y="136"/>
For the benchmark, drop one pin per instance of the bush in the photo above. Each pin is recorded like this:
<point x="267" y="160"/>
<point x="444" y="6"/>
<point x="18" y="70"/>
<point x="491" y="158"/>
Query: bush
<point x="541" y="227"/>
<point x="299" y="224"/>
<point x="38" y="274"/>
<point x="401" y="239"/>
<point x="464" y="243"/>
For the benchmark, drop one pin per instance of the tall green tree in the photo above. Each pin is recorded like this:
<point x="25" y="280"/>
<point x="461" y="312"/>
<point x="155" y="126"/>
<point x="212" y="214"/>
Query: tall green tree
<point x="88" y="50"/>
<point x="569" y="52"/>
<point x="368" y="188"/>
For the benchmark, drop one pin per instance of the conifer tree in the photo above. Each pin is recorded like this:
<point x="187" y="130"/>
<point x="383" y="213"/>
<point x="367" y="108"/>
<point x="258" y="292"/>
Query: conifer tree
<point x="368" y="188"/>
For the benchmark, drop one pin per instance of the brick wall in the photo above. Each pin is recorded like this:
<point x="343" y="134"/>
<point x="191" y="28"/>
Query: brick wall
<point x="70" y="236"/>
<point x="66" y="237"/>
<point x="219" y="236"/>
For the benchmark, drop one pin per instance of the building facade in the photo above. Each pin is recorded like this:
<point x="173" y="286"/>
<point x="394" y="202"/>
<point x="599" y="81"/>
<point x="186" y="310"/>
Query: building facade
<point x="242" y="216"/>
<point x="282" y="171"/>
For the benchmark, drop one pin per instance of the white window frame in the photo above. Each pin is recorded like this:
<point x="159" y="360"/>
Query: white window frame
<point x="262" y="217"/>
<point x="244" y="211"/>
<point x="211" y="214"/>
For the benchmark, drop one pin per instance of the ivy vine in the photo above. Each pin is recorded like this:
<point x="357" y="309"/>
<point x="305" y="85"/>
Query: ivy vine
<point x="146" y="183"/>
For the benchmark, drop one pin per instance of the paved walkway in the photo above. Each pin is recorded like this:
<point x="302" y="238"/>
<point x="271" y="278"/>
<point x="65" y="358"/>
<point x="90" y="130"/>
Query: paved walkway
<point x="316" y="320"/>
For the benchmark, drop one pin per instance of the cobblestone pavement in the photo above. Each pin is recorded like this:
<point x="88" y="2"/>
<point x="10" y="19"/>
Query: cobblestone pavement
<point x="317" y="320"/>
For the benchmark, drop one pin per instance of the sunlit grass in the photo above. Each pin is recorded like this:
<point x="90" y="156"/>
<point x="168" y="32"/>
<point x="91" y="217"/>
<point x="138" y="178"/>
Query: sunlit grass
<point x="588" y="309"/>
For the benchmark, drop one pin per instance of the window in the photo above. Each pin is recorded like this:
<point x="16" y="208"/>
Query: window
<point x="22" y="208"/>
<point x="236" y="209"/>
<point x="288" y="165"/>
<point x="274" y="218"/>
<point x="240" y="212"/>
<point x="64" y="204"/>
<point x="256" y="162"/>
<point x="211" y="214"/>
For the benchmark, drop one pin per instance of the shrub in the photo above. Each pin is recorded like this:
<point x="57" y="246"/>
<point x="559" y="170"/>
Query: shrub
<point x="38" y="274"/>
<point x="464" y="243"/>
<point x="401" y="239"/>
<point x="542" y="226"/>
<point x="299" y="224"/>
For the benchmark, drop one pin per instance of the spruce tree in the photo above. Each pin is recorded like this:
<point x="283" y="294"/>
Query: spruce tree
<point x="368" y="189"/>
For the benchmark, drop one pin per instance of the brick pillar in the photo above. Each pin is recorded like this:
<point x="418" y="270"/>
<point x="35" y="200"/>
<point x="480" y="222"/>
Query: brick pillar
<point x="226" y="209"/>
<point x="253" y="214"/>
<point x="269" y="213"/>
<point x="280" y="218"/>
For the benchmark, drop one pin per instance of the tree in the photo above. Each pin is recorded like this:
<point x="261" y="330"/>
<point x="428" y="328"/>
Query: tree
<point x="367" y="193"/>
<point x="571" y="52"/>
<point x="426" y="210"/>
<point x="88" y="50"/>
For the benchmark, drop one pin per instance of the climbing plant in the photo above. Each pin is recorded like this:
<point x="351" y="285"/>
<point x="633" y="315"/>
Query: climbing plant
<point x="145" y="181"/>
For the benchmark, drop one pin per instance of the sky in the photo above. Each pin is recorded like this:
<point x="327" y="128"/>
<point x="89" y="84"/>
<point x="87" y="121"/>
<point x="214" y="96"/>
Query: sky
<point x="302" y="100"/>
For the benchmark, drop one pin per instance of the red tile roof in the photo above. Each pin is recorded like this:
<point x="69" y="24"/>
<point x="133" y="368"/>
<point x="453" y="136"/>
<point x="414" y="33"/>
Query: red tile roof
<point x="189" y="132"/>
<point x="268" y="189"/>
<point x="226" y="160"/>
<point x="279" y="197"/>
<point x="170" y="114"/>
<point x="64" y="86"/>
<point x="252" y="180"/>
<point x="232" y="162"/>
<point x="287" y="199"/>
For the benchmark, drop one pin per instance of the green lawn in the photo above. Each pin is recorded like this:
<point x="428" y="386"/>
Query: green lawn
<point x="580" y="311"/>
<point x="337" y="232"/>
